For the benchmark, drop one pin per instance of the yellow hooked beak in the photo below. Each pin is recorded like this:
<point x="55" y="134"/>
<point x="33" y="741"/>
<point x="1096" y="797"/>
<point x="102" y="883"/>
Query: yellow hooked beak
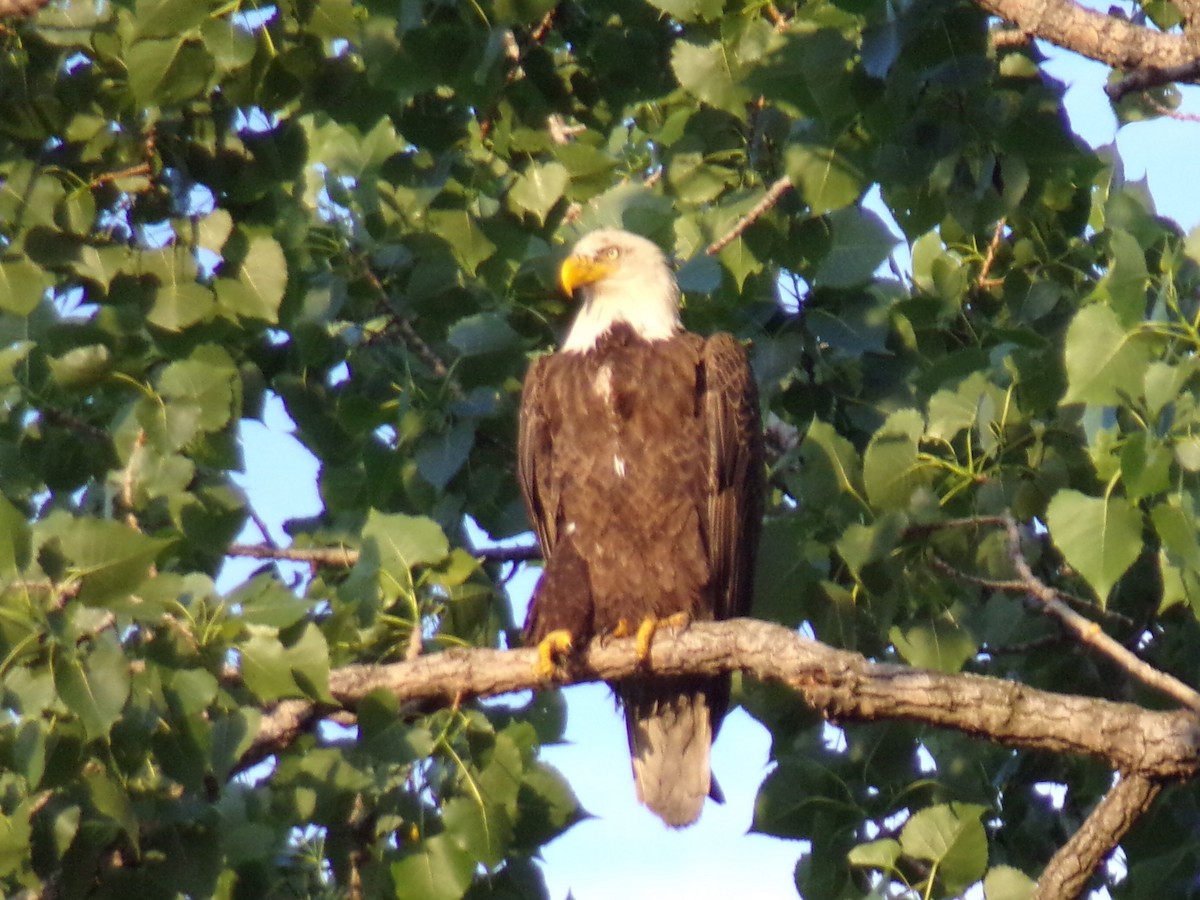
<point x="577" y="271"/>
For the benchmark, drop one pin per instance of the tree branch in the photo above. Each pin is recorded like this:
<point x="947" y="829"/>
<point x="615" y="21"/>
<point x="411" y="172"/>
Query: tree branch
<point x="1089" y="633"/>
<point x="772" y="196"/>
<point x="345" y="557"/>
<point x="844" y="686"/>
<point x="1096" y="35"/>
<point x="1069" y="871"/>
<point x="1147" y="747"/>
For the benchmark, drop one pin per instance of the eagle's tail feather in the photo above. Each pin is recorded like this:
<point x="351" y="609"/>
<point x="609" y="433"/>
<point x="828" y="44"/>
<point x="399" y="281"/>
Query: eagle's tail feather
<point x="670" y="728"/>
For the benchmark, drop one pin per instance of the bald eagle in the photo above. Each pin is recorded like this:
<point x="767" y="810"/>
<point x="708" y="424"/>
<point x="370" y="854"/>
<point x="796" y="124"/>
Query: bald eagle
<point x="640" y="461"/>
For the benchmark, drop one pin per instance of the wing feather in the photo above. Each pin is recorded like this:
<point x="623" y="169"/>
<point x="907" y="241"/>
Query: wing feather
<point x="735" y="474"/>
<point x="535" y="444"/>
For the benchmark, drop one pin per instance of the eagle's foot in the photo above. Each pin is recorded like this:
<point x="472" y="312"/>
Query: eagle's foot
<point x="551" y="650"/>
<point x="620" y="630"/>
<point x="650" y="626"/>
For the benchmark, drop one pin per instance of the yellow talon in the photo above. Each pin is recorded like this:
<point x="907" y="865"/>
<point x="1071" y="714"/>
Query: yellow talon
<point x="550" y="650"/>
<point x="650" y="626"/>
<point x="622" y="629"/>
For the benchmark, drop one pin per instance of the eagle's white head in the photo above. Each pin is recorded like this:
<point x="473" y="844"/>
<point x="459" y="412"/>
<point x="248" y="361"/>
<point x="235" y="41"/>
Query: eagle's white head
<point x="619" y="277"/>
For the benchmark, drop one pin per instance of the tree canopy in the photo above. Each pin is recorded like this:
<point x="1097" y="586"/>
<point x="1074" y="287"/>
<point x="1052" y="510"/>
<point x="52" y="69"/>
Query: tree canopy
<point x="982" y="553"/>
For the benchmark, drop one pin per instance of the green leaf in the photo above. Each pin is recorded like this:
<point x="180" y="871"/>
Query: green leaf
<point x="861" y="545"/>
<point x="1164" y="381"/>
<point x="266" y="601"/>
<point x="405" y="541"/>
<point x="166" y="18"/>
<point x="179" y="301"/>
<point x="892" y="469"/>
<point x="1124" y="284"/>
<point x="436" y="869"/>
<point x="440" y="456"/>
<point x="1007" y="883"/>
<point x="1100" y="538"/>
<point x="690" y="10"/>
<point x="546" y="807"/>
<point x="860" y="242"/>
<point x="261" y="280"/>
<point x="22" y="286"/>
<point x="831" y="466"/>
<point x="1106" y="364"/>
<point x="826" y="177"/>
<point x="273" y="670"/>
<point x="881" y="854"/>
<point x="539" y="188"/>
<point x="699" y="275"/>
<point x="484" y="830"/>
<point x="940" y="644"/>
<point x="82" y="367"/>
<point x="708" y="72"/>
<point x="266" y="665"/>
<point x="952" y="837"/>
<point x="952" y="411"/>
<point x="109" y="558"/>
<point x="1145" y="466"/>
<point x="165" y="72"/>
<point x="462" y="232"/>
<point x="231" y="737"/>
<point x="96" y="686"/>
<point x="481" y="333"/>
<point x="205" y="381"/>
<point x="15" y="540"/>
<point x="112" y="801"/>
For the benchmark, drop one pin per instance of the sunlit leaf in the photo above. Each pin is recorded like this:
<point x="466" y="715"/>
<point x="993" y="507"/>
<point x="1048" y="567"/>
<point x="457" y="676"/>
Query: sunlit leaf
<point x="1099" y="537"/>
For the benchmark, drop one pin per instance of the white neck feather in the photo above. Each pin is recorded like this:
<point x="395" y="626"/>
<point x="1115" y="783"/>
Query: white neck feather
<point x="649" y="305"/>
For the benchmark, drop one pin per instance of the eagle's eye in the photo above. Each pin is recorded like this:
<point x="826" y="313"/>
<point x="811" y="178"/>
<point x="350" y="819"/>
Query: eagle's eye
<point x="610" y="253"/>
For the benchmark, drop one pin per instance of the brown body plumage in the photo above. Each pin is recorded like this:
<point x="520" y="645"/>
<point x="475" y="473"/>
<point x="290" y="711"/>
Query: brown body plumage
<point x="641" y="466"/>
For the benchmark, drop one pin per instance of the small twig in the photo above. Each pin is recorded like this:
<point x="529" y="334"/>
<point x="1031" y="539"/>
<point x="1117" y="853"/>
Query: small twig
<point x="345" y="557"/>
<point x="1071" y="868"/>
<point x="983" y="281"/>
<point x="262" y="527"/>
<point x="1172" y="113"/>
<point x="74" y="423"/>
<point x="415" y="342"/>
<point x="1088" y="632"/>
<point x="1152" y="77"/>
<point x="106" y="177"/>
<point x="773" y="195"/>
<point x="425" y="353"/>
<point x="334" y="557"/>
<point x="778" y="19"/>
<point x="1015" y="586"/>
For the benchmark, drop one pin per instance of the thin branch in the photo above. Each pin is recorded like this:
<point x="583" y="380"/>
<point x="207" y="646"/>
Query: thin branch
<point x="1071" y="868"/>
<point x="1017" y="586"/>
<point x="334" y="557"/>
<point x="1152" y="77"/>
<point x="773" y="195"/>
<point x="345" y="557"/>
<point x="415" y="343"/>
<point x="990" y="258"/>
<point x="1089" y="633"/>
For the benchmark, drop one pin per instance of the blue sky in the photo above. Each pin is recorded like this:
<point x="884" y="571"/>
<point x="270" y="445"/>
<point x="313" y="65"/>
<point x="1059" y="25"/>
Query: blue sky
<point x="624" y="852"/>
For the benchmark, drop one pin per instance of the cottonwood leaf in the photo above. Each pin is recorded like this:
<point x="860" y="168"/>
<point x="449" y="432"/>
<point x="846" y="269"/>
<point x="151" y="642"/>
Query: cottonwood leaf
<point x="1099" y="537"/>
